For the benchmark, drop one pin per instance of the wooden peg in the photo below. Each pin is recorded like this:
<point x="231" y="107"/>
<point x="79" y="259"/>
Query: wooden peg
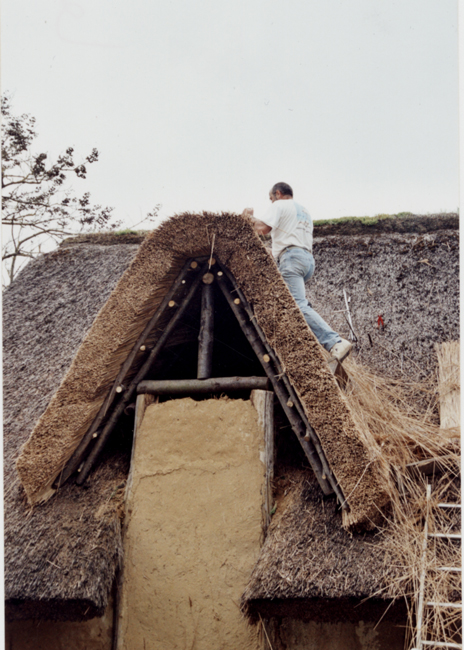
<point x="119" y="389"/>
<point x="193" y="265"/>
<point x="237" y="301"/>
<point x="172" y="303"/>
<point x="143" y="347"/>
<point x="266" y="358"/>
<point x="208" y="278"/>
<point x="290" y="403"/>
<point x="220" y="274"/>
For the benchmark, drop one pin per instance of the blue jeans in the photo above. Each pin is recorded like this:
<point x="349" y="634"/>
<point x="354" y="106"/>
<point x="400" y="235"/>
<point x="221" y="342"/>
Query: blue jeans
<point x="297" y="266"/>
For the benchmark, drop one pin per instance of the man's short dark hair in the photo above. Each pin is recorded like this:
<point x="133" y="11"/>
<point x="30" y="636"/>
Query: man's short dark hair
<point x="284" y="188"/>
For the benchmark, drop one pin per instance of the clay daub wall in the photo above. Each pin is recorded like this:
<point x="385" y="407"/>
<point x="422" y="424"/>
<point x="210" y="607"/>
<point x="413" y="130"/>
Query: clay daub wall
<point x="194" y="524"/>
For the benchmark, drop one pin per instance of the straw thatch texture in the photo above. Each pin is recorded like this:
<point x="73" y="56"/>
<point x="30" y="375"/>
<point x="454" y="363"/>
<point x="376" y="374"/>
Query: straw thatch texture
<point x="410" y="279"/>
<point x="362" y="477"/>
<point x="307" y="554"/>
<point x="68" y="548"/>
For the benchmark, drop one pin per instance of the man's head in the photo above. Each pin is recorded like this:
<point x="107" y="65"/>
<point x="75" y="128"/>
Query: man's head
<point x="281" y="191"/>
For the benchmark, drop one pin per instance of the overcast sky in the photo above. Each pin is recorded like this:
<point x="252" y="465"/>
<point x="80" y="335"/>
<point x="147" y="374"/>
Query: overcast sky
<point x="203" y="105"/>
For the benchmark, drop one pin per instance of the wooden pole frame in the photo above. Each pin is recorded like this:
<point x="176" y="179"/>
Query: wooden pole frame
<point x="79" y="453"/>
<point x="109" y="426"/>
<point x="206" y="335"/>
<point x="271" y="365"/>
<point x="283" y="389"/>
<point x="202" y="386"/>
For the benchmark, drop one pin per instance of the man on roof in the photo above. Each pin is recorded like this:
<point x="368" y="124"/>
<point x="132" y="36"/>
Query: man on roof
<point x="291" y="230"/>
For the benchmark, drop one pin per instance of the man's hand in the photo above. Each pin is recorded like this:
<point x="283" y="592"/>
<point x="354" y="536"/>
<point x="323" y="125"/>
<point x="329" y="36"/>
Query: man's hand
<point x="248" y="212"/>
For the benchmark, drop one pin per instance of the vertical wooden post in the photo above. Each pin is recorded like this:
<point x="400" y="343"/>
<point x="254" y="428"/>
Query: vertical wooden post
<point x="206" y="336"/>
<point x="449" y="384"/>
<point x="263" y="401"/>
<point x="143" y="401"/>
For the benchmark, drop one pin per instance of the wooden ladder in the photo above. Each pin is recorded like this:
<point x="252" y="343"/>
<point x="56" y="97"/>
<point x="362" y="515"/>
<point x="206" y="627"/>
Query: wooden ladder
<point x="422" y="604"/>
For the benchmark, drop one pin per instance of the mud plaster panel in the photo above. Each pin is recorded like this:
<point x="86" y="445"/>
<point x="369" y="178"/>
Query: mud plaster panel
<point x="194" y="526"/>
<point x="94" y="634"/>
<point x="299" y="635"/>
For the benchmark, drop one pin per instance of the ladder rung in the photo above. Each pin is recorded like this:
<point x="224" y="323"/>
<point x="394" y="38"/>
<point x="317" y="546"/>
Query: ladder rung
<point x="443" y="644"/>
<point x="446" y="535"/>
<point x="445" y="605"/>
<point x="449" y="505"/>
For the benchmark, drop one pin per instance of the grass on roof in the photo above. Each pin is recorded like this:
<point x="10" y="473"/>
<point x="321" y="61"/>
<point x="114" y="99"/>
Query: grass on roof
<point x="127" y="231"/>
<point x="367" y="221"/>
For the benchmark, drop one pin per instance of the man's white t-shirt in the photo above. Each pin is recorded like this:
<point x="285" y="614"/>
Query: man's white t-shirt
<point x="291" y="226"/>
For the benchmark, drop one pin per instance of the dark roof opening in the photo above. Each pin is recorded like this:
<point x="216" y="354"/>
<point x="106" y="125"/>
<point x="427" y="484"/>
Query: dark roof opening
<point x="232" y="356"/>
<point x="232" y="353"/>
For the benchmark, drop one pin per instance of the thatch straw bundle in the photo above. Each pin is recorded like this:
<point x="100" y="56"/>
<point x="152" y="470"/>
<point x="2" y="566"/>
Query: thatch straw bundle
<point x="390" y="411"/>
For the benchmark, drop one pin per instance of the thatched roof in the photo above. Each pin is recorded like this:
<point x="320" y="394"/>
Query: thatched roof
<point x="409" y="275"/>
<point x="68" y="549"/>
<point x="308" y="557"/>
<point x="64" y="553"/>
<point x="362" y="478"/>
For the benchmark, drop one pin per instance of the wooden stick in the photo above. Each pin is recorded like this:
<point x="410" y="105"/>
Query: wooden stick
<point x="102" y="439"/>
<point x="79" y="453"/>
<point x="206" y="336"/>
<point x="214" y="385"/>
<point x="420" y="595"/>
<point x="327" y="472"/>
<point x="141" y="404"/>
<point x="263" y="401"/>
<point x="353" y="336"/>
<point x="295" y="421"/>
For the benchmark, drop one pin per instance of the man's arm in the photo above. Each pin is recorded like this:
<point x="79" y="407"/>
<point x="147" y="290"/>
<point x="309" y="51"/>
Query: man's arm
<point x="260" y="227"/>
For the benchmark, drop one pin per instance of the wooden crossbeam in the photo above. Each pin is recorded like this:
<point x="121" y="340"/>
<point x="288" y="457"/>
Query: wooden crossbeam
<point x="202" y="386"/>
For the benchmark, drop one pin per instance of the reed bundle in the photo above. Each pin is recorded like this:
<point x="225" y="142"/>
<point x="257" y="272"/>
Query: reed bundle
<point x="400" y="418"/>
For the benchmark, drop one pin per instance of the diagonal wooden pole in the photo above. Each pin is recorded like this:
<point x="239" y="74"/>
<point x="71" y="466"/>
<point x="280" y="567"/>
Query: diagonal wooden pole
<point x="109" y="426"/>
<point x="309" y="435"/>
<point x="295" y="421"/>
<point x="80" y="451"/>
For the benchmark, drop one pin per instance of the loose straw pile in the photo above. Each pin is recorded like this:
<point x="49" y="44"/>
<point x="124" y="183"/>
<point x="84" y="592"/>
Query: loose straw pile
<point x="401" y="420"/>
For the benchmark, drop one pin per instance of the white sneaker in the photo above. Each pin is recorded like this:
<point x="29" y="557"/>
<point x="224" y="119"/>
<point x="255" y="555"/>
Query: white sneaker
<point x="340" y="350"/>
